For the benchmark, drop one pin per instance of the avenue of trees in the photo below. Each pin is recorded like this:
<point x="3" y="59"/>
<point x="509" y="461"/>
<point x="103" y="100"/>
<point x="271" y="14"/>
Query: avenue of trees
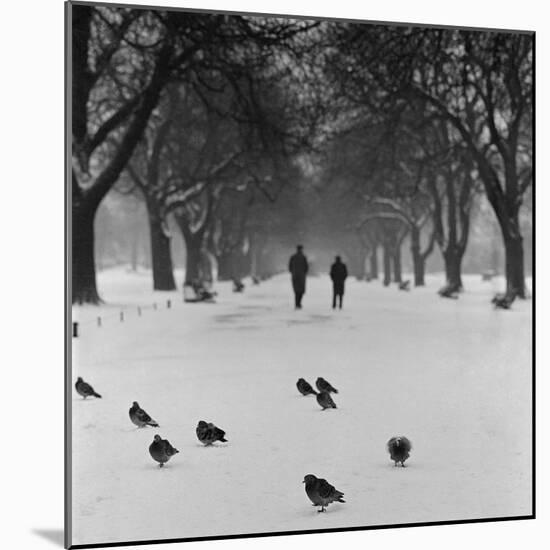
<point x="241" y="135"/>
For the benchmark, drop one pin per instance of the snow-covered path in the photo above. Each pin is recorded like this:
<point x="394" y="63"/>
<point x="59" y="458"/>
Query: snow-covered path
<point x="453" y="376"/>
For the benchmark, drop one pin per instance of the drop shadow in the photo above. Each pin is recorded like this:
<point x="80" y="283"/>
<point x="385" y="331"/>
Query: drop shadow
<point x="56" y="536"/>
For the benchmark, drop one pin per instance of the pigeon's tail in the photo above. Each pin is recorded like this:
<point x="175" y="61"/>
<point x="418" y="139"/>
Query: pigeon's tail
<point x="96" y="395"/>
<point x="340" y="496"/>
<point x="223" y="439"/>
<point x="153" y="423"/>
<point x="341" y="499"/>
<point x="334" y="390"/>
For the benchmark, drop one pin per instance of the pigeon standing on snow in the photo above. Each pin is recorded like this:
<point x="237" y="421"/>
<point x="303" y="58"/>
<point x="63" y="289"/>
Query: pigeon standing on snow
<point x="321" y="492"/>
<point x="84" y="389"/>
<point x="161" y="450"/>
<point x="323" y="385"/>
<point x="399" y="449"/>
<point x="208" y="433"/>
<point x="325" y="400"/>
<point x="305" y="388"/>
<point x="140" y="418"/>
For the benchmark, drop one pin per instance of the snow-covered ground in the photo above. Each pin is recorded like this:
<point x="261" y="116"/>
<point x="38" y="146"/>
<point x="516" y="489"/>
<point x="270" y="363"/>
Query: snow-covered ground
<point x="453" y="376"/>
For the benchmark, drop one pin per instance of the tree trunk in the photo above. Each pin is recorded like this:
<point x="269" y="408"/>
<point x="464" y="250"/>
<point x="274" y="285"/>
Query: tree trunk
<point x="84" y="289"/>
<point x="192" y="260"/>
<point x="396" y="257"/>
<point x="419" y="266"/>
<point x="206" y="266"/>
<point x="225" y="266"/>
<point x="373" y="273"/>
<point x="163" y="273"/>
<point x="255" y="253"/>
<point x="387" y="265"/>
<point x="515" y="275"/>
<point x="453" y="269"/>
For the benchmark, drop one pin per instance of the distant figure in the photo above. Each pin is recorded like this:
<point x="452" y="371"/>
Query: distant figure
<point x="338" y="274"/>
<point x="298" y="268"/>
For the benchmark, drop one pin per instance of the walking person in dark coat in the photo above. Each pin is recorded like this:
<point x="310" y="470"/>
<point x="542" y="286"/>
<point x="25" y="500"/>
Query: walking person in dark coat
<point x="338" y="274"/>
<point x="298" y="268"/>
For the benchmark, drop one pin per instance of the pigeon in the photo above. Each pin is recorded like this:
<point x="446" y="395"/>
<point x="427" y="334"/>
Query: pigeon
<point x="208" y="433"/>
<point x="84" y="389"/>
<point x="321" y="492"/>
<point x="140" y="418"/>
<point x="323" y="385"/>
<point x="325" y="400"/>
<point x="399" y="449"/>
<point x="305" y="388"/>
<point x="161" y="450"/>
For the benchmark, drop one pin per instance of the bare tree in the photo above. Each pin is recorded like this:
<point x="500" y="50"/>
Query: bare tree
<point x="121" y="60"/>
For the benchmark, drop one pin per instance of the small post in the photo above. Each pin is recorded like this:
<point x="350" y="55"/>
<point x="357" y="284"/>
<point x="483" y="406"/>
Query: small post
<point x="168" y="304"/>
<point x="75" y="329"/>
<point x="121" y="316"/>
<point x="139" y="311"/>
<point x="155" y="306"/>
<point x="99" y="321"/>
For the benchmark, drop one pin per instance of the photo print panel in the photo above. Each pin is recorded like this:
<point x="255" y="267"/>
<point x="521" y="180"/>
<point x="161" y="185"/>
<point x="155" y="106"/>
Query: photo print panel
<point x="299" y="291"/>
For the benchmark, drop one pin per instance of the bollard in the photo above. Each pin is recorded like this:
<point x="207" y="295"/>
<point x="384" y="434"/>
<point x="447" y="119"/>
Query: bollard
<point x="99" y="321"/>
<point x="75" y="329"/>
<point x="121" y="316"/>
<point x="139" y="311"/>
<point x="168" y="304"/>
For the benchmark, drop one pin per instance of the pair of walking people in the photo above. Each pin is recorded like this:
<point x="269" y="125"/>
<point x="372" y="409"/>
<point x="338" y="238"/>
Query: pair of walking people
<point x="298" y="267"/>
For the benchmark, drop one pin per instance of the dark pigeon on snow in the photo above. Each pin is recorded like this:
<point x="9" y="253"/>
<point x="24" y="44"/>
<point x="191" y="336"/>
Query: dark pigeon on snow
<point x="305" y="388"/>
<point x="140" y="418"/>
<point x="321" y="492"/>
<point x="208" y="433"/>
<point x="161" y="450"/>
<point x="84" y="389"/>
<point x="325" y="400"/>
<point x="399" y="449"/>
<point x="323" y="385"/>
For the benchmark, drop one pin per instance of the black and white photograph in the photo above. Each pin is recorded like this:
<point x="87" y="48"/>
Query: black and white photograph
<point x="300" y="274"/>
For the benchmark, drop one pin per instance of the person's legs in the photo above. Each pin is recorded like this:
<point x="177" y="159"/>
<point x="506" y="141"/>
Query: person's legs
<point x="334" y="295"/>
<point x="341" y="297"/>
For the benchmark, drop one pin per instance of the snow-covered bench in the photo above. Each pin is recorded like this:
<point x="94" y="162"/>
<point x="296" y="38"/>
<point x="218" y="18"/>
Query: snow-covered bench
<point x="238" y="285"/>
<point x="197" y="293"/>
<point x="405" y="285"/>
